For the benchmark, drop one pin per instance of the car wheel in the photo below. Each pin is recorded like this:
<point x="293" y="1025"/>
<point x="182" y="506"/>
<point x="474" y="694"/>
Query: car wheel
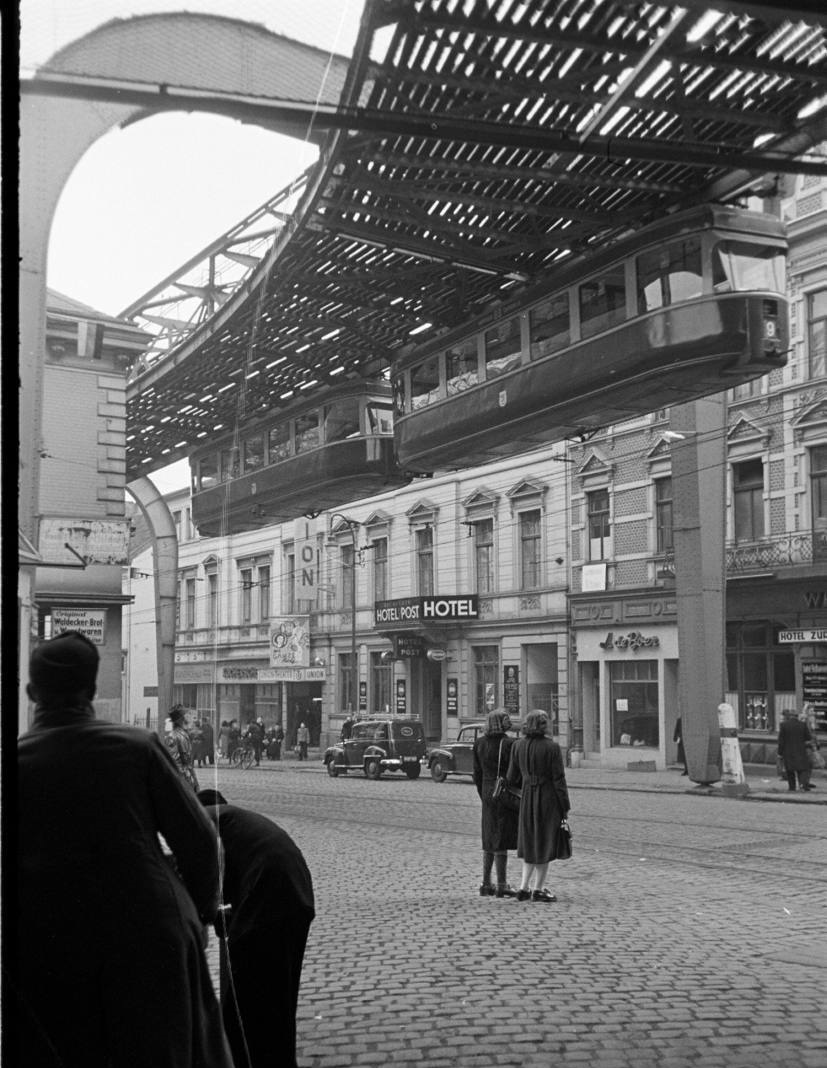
<point x="373" y="769"/>
<point x="413" y="770"/>
<point x="438" y="772"/>
<point x="332" y="770"/>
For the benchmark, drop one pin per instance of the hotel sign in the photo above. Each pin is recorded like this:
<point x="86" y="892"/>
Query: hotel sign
<point x="805" y="635"/>
<point x="449" y="608"/>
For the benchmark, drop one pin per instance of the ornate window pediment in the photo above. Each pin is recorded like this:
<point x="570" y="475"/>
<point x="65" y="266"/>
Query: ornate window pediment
<point x="595" y="469"/>
<point x="423" y="513"/>
<point x="659" y="457"/>
<point x="527" y="493"/>
<point x="481" y="500"/>
<point x="745" y="431"/>
<point x="810" y="421"/>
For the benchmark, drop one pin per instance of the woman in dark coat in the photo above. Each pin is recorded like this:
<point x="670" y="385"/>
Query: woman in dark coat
<point x="537" y="765"/>
<point x="492" y="751"/>
<point x="111" y="965"/>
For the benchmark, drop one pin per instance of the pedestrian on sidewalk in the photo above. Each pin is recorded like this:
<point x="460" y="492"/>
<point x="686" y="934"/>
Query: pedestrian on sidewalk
<point x="492" y="753"/>
<point x="537" y="766"/>
<point x="111" y="968"/>
<point x="302" y="741"/>
<point x="793" y="736"/>
<point x="269" y="891"/>
<point x="179" y="744"/>
<point x="678" y="737"/>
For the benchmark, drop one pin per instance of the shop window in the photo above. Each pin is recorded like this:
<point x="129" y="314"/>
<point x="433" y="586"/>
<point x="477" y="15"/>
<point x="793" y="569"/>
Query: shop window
<point x="760" y="675"/>
<point x="817" y="333"/>
<point x="633" y="692"/>
<point x="483" y="532"/>
<point x="748" y="500"/>
<point x="486" y="675"/>
<point x="530" y="549"/>
<point x="600" y="540"/>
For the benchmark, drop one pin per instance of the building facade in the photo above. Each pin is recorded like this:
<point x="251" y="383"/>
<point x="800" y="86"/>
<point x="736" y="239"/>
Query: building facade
<point x="82" y="535"/>
<point x="546" y="580"/>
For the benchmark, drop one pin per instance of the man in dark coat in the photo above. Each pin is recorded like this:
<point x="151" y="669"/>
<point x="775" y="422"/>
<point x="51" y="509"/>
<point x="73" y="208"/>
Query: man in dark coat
<point x="269" y="889"/>
<point x="111" y="965"/>
<point x="793" y="736"/>
<point x="209" y="740"/>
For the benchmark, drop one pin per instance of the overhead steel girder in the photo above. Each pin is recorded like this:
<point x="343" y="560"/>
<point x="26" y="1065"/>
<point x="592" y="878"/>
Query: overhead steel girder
<point x="281" y="113"/>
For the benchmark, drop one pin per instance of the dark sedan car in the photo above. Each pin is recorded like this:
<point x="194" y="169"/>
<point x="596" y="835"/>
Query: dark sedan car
<point x="457" y="758"/>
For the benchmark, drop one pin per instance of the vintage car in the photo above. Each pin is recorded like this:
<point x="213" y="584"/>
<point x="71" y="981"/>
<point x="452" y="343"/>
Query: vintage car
<point x="457" y="758"/>
<point x="376" y="745"/>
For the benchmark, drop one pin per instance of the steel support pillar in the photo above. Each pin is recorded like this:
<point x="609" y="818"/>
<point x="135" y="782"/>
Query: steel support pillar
<point x="699" y="524"/>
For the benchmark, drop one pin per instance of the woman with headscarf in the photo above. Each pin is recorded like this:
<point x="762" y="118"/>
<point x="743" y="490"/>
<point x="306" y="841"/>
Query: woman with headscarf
<point x="110" y="962"/>
<point x="179" y="743"/>
<point x="537" y="766"/>
<point x="492" y="751"/>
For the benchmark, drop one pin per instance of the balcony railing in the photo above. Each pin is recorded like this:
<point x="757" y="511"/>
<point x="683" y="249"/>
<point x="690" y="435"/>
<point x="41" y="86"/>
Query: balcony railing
<point x="784" y="550"/>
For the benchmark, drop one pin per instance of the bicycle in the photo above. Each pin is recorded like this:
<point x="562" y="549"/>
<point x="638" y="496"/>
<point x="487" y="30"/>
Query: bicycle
<point x="243" y="755"/>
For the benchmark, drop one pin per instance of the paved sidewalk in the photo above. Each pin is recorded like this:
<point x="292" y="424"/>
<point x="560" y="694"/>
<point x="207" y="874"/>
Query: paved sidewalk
<point x="761" y="779"/>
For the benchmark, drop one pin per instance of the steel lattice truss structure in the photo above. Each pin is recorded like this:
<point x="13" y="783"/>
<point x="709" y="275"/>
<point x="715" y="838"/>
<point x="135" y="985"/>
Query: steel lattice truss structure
<point x="478" y="145"/>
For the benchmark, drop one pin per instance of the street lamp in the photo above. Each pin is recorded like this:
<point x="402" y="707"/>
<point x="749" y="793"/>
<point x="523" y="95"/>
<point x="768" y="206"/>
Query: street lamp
<point x="352" y="526"/>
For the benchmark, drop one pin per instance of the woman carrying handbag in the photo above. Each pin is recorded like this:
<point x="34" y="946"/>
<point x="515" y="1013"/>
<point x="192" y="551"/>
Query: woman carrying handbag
<point x="537" y="764"/>
<point x="492" y="750"/>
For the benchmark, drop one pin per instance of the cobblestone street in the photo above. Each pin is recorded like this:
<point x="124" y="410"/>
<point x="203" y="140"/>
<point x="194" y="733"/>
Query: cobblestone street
<point x="683" y="932"/>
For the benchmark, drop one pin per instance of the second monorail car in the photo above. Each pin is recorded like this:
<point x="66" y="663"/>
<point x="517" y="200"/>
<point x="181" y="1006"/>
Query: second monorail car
<point x="305" y="458"/>
<point x="684" y="308"/>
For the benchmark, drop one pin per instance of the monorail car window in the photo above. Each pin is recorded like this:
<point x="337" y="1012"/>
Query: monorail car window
<point x="308" y="434"/>
<point x="229" y="464"/>
<point x="549" y="326"/>
<point x="425" y="383"/>
<point x="669" y="275"/>
<point x="253" y="452"/>
<point x="207" y="472"/>
<point x="603" y="302"/>
<point x="278" y="443"/>
<point x="739" y="265"/>
<point x="461" y="368"/>
<point x="503" y="348"/>
<point x="341" y="419"/>
<point x="380" y="418"/>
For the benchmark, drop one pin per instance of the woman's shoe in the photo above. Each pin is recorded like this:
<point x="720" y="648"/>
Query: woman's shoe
<point x="542" y="895"/>
<point x="523" y="895"/>
<point x="506" y="891"/>
<point x="487" y="890"/>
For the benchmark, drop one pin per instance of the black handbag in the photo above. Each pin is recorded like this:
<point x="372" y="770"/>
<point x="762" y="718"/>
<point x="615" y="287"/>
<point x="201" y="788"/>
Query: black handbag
<point x="562" y="842"/>
<point x="505" y="795"/>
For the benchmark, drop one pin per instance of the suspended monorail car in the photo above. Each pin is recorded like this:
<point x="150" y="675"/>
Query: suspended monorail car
<point x="305" y="458"/>
<point x="684" y="308"/>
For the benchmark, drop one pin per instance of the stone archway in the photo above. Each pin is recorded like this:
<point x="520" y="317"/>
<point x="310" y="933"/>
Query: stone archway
<point x="201" y="52"/>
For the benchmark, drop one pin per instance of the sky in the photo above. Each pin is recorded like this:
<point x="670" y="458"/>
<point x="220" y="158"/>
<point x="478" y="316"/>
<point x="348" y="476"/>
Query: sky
<point x="150" y="196"/>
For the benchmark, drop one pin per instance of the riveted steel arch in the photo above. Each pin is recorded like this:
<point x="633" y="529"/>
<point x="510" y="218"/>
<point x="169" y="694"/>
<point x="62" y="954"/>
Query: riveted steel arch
<point x="207" y="54"/>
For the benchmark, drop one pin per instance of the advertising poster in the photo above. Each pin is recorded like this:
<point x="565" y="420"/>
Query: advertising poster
<point x="511" y="690"/>
<point x="401" y="697"/>
<point x="290" y="642"/>
<point x="452" y="696"/>
<point x="814" y="689"/>
<point x="90" y="622"/>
